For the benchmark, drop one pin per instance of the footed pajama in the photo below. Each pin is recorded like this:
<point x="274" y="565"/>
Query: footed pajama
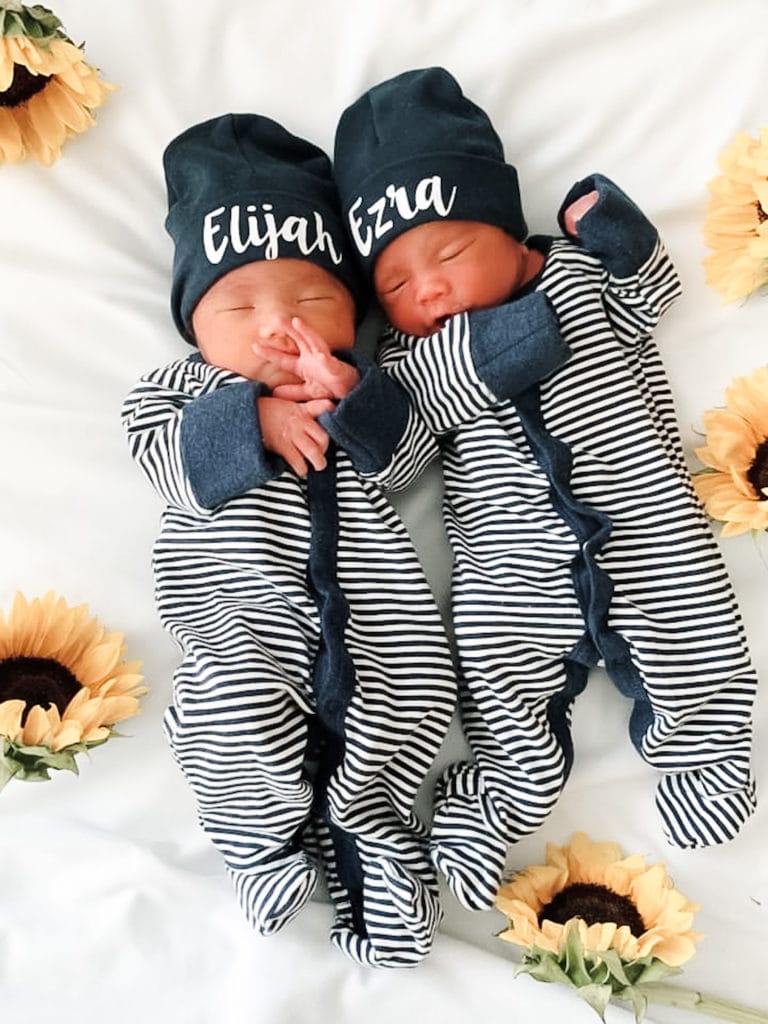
<point x="578" y="540"/>
<point x="315" y="684"/>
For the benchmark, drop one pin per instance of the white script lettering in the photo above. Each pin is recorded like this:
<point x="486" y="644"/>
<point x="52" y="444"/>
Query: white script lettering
<point x="259" y="228"/>
<point x="427" y="195"/>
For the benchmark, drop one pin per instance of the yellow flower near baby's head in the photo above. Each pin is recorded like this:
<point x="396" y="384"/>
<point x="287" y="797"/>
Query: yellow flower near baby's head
<point x="47" y="90"/>
<point x="64" y="684"/>
<point x="736" y="224"/>
<point x="734" y="488"/>
<point x="614" y="903"/>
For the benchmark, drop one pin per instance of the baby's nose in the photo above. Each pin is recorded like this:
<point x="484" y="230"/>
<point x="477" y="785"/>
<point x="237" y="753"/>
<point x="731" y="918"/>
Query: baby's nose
<point x="273" y="323"/>
<point x="432" y="286"/>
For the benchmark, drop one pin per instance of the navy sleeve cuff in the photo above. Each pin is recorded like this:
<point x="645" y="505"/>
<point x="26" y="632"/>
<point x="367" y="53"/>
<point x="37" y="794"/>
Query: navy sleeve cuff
<point x="370" y="421"/>
<point x="615" y="229"/>
<point x="221" y="447"/>
<point x="517" y="344"/>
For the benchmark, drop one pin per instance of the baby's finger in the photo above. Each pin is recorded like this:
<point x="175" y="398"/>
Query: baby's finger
<point x="314" y="453"/>
<point x="307" y="339"/>
<point x="318" y="406"/>
<point x="296" y="461"/>
<point x="295" y="392"/>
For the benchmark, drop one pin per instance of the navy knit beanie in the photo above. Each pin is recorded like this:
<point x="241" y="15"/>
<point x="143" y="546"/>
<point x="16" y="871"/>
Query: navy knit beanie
<point x="240" y="189"/>
<point x="414" y="149"/>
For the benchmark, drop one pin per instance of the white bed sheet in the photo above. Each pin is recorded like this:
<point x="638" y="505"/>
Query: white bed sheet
<point x="112" y="902"/>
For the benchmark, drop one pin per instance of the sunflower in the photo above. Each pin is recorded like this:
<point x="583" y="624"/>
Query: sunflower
<point x="63" y="686"/>
<point x="736" y="225"/>
<point x="47" y="90"/>
<point x="608" y="926"/>
<point x="734" y="488"/>
<point x="616" y="903"/>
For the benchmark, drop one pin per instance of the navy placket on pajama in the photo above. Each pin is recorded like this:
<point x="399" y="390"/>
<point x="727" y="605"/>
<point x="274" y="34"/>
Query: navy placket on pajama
<point x="333" y="674"/>
<point x="593" y="587"/>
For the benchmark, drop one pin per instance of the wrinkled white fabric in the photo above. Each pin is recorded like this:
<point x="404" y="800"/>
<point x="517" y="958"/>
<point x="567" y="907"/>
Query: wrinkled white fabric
<point x="113" y="904"/>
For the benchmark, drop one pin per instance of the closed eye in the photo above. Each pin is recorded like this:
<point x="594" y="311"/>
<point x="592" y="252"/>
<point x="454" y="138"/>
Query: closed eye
<point x="453" y="251"/>
<point x="392" y="288"/>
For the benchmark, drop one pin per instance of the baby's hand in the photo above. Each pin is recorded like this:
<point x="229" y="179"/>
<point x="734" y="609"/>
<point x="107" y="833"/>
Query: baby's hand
<point x="323" y="375"/>
<point x="576" y="211"/>
<point x="290" y="429"/>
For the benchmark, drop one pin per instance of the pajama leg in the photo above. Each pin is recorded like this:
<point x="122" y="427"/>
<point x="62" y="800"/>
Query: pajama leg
<point x="391" y="920"/>
<point x="519" y="680"/>
<point x="237" y="729"/>
<point x="689" y="671"/>
<point x="393" y="729"/>
<point x="397" y="707"/>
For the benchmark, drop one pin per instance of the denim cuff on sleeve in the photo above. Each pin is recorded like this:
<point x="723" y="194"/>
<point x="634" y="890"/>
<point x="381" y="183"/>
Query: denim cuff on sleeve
<point x="517" y="344"/>
<point x="370" y="421"/>
<point x="221" y="447"/>
<point x="615" y="229"/>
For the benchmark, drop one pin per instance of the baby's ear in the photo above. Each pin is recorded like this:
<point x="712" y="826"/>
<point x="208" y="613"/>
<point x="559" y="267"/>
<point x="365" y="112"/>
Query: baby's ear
<point x="573" y="213"/>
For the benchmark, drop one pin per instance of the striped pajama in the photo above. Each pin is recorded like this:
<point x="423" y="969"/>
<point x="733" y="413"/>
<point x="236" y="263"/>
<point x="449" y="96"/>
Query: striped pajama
<point x="297" y="769"/>
<point x="577" y="540"/>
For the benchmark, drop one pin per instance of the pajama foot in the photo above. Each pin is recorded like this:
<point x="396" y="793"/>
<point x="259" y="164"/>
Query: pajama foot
<point x="272" y="894"/>
<point x="706" y="806"/>
<point x="401" y="915"/>
<point x="466" y="848"/>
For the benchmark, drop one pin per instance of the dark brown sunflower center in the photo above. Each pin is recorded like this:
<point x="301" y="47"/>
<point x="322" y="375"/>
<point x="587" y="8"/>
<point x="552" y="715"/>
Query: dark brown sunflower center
<point x="595" y="904"/>
<point x="41" y="681"/>
<point x="757" y="474"/>
<point x="23" y="85"/>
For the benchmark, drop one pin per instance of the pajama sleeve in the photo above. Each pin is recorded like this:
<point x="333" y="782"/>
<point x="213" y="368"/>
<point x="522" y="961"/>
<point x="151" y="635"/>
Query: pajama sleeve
<point x="197" y="444"/>
<point x="378" y="427"/>
<point x="641" y="281"/>
<point x="476" y="360"/>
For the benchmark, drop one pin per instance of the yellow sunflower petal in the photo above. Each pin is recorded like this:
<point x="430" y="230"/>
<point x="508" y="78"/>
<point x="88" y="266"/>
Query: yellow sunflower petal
<point x="37" y="727"/>
<point x="116" y="709"/>
<point x="731" y="440"/>
<point x="10" y="718"/>
<point x="66" y="108"/>
<point x="12" y="148"/>
<point x="748" y="398"/>
<point x="96" y="734"/>
<point x="67" y="734"/>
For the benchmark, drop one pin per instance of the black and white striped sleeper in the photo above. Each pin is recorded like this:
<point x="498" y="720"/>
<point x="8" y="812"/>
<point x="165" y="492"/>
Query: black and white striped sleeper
<point x="577" y="540"/>
<point x="316" y="684"/>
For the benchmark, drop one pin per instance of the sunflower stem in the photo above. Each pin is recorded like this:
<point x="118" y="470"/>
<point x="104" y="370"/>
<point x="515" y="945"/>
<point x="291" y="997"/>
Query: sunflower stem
<point x="689" y="999"/>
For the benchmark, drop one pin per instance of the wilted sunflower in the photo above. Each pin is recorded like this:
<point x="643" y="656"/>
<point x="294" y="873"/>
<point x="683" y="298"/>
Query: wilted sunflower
<point x="47" y="90"/>
<point x="734" y="489"/>
<point x="63" y="686"/>
<point x="608" y="926"/>
<point x="736" y="225"/>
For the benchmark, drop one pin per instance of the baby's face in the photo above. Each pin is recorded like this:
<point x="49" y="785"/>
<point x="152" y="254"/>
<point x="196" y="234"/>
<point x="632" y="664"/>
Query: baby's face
<point x="255" y="302"/>
<point x="437" y="269"/>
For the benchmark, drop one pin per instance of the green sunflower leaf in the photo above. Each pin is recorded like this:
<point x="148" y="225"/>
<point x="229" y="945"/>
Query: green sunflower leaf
<point x="36" y="22"/>
<point x="8" y="768"/>
<point x="655" y="970"/>
<point x="633" y="995"/>
<point x="598" y="997"/>
<point x="575" y="967"/>
<point x="543" y="966"/>
<point x="615" y="966"/>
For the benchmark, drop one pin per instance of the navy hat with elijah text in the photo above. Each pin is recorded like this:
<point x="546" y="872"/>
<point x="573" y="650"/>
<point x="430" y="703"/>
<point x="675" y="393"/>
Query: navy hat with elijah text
<point x="414" y="149"/>
<point x="241" y="189"/>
